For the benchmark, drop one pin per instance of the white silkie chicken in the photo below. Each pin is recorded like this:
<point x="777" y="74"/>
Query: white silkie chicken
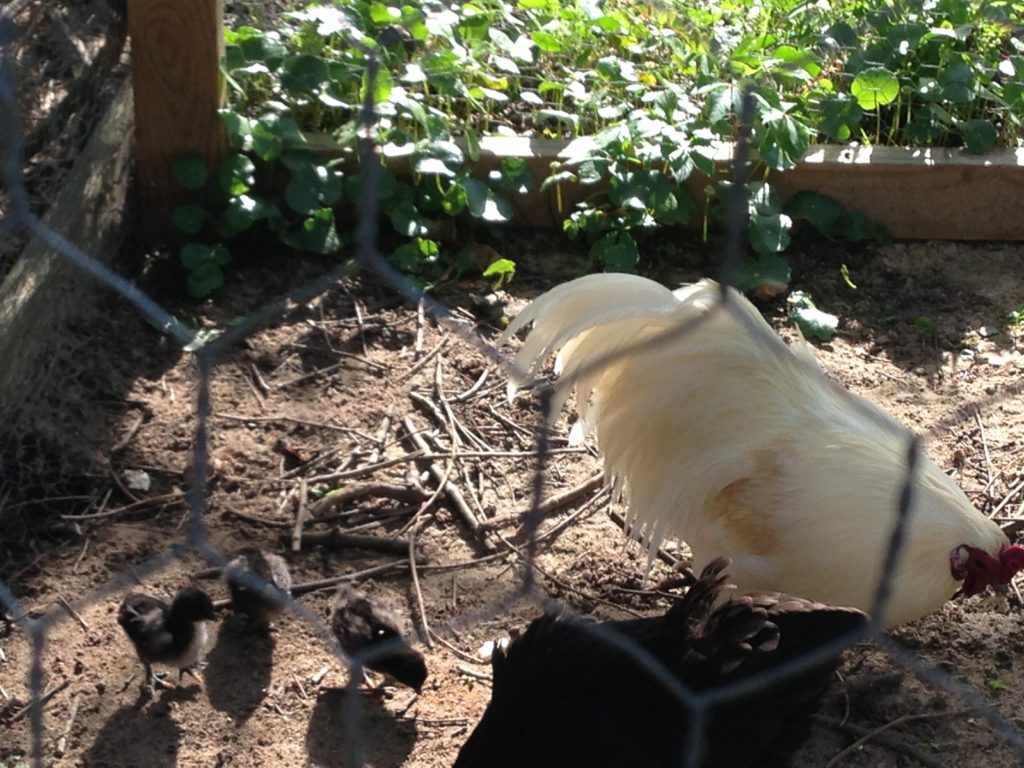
<point x="730" y="440"/>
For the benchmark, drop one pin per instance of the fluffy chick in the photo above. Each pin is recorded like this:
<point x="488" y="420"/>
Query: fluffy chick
<point x="370" y="631"/>
<point x="260" y="584"/>
<point x="172" y="635"/>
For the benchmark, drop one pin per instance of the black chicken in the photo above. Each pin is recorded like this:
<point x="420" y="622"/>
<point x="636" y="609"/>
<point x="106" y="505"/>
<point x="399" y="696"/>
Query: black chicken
<point x="172" y="635"/>
<point x="259" y="583"/>
<point x="369" y="630"/>
<point x="564" y="695"/>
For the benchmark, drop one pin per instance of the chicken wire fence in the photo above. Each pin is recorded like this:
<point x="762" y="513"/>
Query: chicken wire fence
<point x="20" y="216"/>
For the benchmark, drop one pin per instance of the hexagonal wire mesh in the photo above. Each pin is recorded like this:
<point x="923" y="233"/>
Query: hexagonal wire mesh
<point x="367" y="257"/>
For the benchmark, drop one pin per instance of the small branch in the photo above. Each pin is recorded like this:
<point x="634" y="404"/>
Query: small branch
<point x="1007" y="498"/>
<point x="469" y="393"/>
<point x="553" y="503"/>
<point x="134" y="506"/>
<point x="984" y="445"/>
<point x="300" y="517"/>
<point x="866" y="735"/>
<point x="416" y="587"/>
<point x="482" y="676"/>
<point x="333" y="581"/>
<point x="85" y="548"/>
<point x="72" y="612"/>
<point x="461" y="654"/>
<point x="42" y="702"/>
<point x="453" y="493"/>
<point x="402" y="493"/>
<point x="62" y="742"/>
<point x="369" y="469"/>
<point x="133" y="430"/>
<point x="420" y="322"/>
<point x="256" y="519"/>
<point x="339" y="539"/>
<point x="422" y="361"/>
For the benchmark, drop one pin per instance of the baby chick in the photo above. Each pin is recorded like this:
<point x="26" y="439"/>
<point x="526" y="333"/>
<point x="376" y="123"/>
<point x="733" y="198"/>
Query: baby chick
<point x="172" y="635"/>
<point x="362" y="626"/>
<point x="259" y="583"/>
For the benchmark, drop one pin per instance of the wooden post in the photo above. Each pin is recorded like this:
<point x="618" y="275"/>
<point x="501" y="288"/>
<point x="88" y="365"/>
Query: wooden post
<point x="176" y="50"/>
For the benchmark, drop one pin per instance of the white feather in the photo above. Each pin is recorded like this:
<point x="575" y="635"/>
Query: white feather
<point x="728" y="439"/>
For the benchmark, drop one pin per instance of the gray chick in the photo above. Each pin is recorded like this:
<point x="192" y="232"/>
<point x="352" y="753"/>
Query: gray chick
<point x="259" y="583"/>
<point x="371" y="631"/>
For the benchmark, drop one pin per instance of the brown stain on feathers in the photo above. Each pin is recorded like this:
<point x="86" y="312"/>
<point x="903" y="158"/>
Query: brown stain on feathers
<point x="743" y="505"/>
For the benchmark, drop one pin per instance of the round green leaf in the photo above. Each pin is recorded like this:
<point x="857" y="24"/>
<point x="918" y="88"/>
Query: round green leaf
<point x="303" y="73"/>
<point x="312" y="187"/>
<point x="237" y="174"/>
<point x="484" y="204"/>
<point x="979" y="135"/>
<point x="875" y="87"/>
<point x="617" y="251"/>
<point x="189" y="218"/>
<point x="190" y="170"/>
<point x="204" y="280"/>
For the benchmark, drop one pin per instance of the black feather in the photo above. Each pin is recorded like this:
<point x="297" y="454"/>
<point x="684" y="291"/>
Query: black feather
<point x="173" y="634"/>
<point x="563" y="695"/>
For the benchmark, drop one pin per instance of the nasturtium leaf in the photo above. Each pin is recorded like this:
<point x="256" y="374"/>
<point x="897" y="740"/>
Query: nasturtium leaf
<point x="190" y="170"/>
<point x="812" y="322"/>
<point x="875" y="87"/>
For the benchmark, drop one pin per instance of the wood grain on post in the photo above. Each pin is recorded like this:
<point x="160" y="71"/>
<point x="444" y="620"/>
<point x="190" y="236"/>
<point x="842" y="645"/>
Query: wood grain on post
<point x="176" y="51"/>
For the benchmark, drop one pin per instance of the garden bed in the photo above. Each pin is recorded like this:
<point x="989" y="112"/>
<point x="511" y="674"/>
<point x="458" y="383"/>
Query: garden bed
<point x="921" y="194"/>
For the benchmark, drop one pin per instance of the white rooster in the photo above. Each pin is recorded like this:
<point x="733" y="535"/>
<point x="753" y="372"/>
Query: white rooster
<point x="728" y="439"/>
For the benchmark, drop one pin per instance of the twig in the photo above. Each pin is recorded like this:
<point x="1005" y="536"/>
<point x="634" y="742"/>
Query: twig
<point x="300" y="517"/>
<point x="553" y="503"/>
<point x="322" y="458"/>
<point x="258" y="396"/>
<point x="129" y="435"/>
<point x="1007" y="498"/>
<point x="586" y="506"/>
<point x="62" y="741"/>
<point x="318" y="678"/>
<point x="468" y="394"/>
<point x="277" y="418"/>
<point x="416" y="587"/>
<point x="85" y="548"/>
<point x="255" y="519"/>
<point x="369" y="469"/>
<point x="420" y="321"/>
<point x="984" y="444"/>
<point x="132" y="507"/>
<point x="43" y="700"/>
<point x="422" y="361"/>
<point x="906" y="749"/>
<point x="433" y="497"/>
<point x="453" y="493"/>
<point x="72" y="612"/>
<point x="359" y="324"/>
<point x="316" y="586"/>
<point x="404" y="493"/>
<point x="381" y="437"/>
<point x="483" y="676"/>
<point x="258" y="378"/>
<point x="338" y="538"/>
<point x="461" y="654"/>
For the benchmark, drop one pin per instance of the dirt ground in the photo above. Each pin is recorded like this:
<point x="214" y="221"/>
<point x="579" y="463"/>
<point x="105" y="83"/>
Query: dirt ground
<point x="327" y="390"/>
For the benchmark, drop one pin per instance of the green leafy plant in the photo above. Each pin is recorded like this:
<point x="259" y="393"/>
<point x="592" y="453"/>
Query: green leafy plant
<point x="656" y="85"/>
